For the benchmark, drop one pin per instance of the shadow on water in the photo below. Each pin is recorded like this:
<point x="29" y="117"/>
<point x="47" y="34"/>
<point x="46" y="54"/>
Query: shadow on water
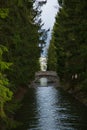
<point x="50" y="108"/>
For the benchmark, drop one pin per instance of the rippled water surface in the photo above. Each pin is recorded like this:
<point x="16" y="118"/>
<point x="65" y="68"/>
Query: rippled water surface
<point x="50" y="108"/>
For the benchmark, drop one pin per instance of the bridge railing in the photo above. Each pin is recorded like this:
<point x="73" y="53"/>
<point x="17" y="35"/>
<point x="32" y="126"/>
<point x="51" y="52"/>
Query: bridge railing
<point x="46" y="73"/>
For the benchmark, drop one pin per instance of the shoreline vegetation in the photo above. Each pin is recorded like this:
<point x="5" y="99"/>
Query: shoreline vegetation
<point x="20" y="34"/>
<point x="76" y="93"/>
<point x="67" y="53"/>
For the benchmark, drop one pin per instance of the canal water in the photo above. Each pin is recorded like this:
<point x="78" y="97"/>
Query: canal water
<point x="47" y="107"/>
<point x="50" y="108"/>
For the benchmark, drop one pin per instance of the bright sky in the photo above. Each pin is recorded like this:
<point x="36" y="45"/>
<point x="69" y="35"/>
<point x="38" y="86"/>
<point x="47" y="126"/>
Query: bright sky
<point x="49" y="11"/>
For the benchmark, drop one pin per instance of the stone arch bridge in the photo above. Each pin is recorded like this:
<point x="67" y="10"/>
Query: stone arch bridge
<point x="50" y="75"/>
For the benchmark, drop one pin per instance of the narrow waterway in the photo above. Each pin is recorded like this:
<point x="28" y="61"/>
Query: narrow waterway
<point x="50" y="108"/>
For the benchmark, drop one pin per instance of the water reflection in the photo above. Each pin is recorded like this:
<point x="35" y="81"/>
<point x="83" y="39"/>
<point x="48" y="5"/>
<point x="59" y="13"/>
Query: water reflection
<point x="56" y="112"/>
<point x="49" y="108"/>
<point x="46" y="102"/>
<point x="43" y="81"/>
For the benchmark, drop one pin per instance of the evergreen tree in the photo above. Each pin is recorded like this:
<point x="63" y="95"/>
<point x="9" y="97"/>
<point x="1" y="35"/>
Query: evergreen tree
<point x="70" y="38"/>
<point x="52" y="60"/>
<point x="20" y="33"/>
<point x="5" y="93"/>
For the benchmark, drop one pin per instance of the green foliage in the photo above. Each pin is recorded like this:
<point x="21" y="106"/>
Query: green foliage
<point x="70" y="41"/>
<point x="5" y="93"/>
<point x="52" y="61"/>
<point x="20" y="32"/>
<point x="4" y="12"/>
<point x="21" y="35"/>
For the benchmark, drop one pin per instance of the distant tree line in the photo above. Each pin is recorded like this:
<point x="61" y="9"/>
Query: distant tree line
<point x="67" y="53"/>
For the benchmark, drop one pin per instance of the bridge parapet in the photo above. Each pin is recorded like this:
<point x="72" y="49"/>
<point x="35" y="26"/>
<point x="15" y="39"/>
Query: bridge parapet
<point x="46" y="73"/>
<point x="50" y="75"/>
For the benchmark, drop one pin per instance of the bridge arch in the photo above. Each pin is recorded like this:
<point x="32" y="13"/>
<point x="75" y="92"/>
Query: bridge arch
<point x="50" y="75"/>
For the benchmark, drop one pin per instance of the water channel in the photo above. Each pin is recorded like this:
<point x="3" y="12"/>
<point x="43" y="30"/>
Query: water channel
<point x="49" y="107"/>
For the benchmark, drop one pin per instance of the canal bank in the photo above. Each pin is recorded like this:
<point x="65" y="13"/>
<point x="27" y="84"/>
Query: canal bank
<point x="76" y="93"/>
<point x="79" y="95"/>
